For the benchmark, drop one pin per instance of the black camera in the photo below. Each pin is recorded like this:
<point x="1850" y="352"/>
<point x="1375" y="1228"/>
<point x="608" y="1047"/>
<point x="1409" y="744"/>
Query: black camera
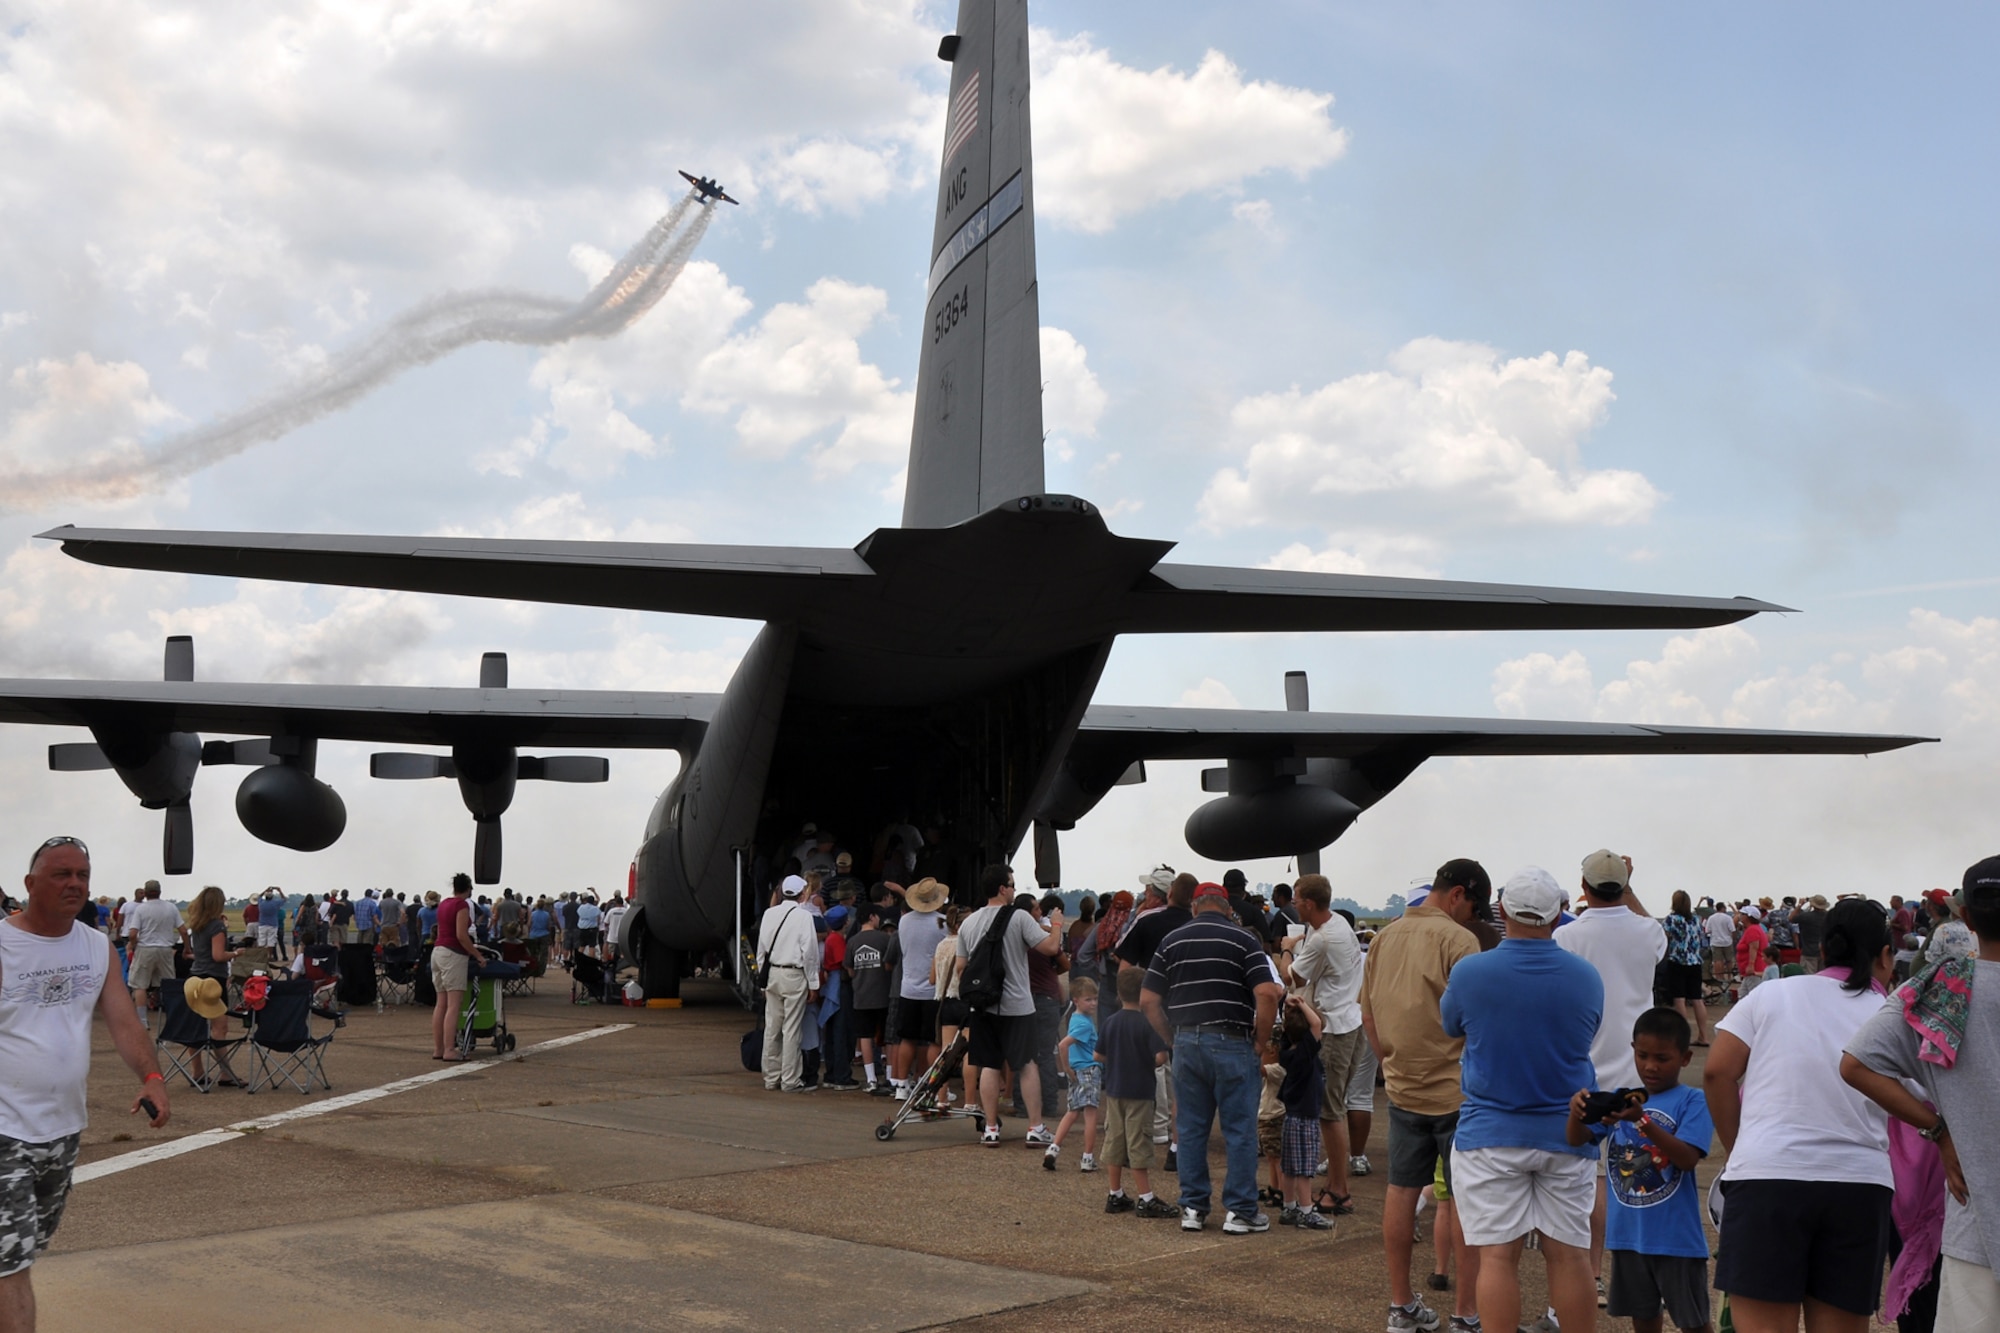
<point x="1598" y="1105"/>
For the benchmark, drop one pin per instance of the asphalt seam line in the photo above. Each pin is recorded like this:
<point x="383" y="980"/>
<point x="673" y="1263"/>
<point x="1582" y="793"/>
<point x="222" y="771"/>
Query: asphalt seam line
<point x="208" y="1138"/>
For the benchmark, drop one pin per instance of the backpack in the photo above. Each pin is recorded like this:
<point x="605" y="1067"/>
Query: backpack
<point x="984" y="979"/>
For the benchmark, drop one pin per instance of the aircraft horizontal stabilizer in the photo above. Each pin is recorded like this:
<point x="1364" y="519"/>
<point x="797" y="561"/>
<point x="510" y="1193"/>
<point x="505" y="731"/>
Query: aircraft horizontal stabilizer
<point x="1210" y="599"/>
<point x="744" y="582"/>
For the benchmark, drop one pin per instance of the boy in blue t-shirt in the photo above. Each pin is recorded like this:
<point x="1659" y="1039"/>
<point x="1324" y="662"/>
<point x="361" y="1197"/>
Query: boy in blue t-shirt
<point x="1076" y="1053"/>
<point x="1653" y="1239"/>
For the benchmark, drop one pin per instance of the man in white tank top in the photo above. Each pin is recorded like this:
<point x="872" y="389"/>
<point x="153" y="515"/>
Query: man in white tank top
<point x="53" y="973"/>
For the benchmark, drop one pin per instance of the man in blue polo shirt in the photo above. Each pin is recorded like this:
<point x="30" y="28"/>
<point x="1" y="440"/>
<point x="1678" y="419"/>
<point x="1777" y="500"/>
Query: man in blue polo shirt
<point x="1528" y="1011"/>
<point x="1212" y="995"/>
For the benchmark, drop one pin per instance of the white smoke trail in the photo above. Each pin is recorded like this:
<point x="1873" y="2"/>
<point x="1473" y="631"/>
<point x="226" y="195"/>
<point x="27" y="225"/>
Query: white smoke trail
<point x="419" y="336"/>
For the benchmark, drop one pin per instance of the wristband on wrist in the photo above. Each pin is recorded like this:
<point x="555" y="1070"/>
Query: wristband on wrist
<point x="154" y="1077"/>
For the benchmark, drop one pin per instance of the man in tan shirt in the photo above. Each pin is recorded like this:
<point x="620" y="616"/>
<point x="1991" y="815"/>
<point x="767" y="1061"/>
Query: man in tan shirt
<point x="1401" y="984"/>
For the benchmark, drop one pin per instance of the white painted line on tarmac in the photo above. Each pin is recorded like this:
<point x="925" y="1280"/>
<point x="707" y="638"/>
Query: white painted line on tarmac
<point x="160" y="1152"/>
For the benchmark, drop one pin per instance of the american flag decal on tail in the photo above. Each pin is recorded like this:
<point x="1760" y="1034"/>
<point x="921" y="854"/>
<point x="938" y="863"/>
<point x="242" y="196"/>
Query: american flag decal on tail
<point x="964" y="118"/>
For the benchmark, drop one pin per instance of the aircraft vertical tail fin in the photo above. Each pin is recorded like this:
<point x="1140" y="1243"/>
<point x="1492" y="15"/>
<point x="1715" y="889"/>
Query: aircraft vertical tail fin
<point x="977" y="440"/>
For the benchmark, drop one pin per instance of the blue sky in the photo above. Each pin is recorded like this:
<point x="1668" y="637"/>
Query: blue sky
<point x="1689" y="301"/>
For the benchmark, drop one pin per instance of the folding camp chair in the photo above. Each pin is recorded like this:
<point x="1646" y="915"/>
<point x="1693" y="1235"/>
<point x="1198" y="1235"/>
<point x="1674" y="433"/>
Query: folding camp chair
<point x="184" y="1037"/>
<point x="282" y="1044"/>
<point x="398" y="983"/>
<point x="251" y="960"/>
<point x="323" y="971"/>
<point x="513" y="951"/>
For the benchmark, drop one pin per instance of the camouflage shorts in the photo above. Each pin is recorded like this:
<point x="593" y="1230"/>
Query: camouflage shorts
<point x="34" y="1185"/>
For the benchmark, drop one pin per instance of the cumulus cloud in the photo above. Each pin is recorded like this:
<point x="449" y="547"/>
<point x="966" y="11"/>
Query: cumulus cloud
<point x="798" y="375"/>
<point x="1112" y="140"/>
<point x="1450" y="426"/>
<point x="1402" y="554"/>
<point x="1072" y="399"/>
<point x="1210" y="693"/>
<point x="58" y="408"/>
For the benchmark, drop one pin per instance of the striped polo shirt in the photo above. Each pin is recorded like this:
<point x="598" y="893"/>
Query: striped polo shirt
<point x="1209" y="970"/>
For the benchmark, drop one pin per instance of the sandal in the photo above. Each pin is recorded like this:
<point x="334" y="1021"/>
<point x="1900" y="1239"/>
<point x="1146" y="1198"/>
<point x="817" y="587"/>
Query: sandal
<point x="229" y="1083"/>
<point x="1269" y="1195"/>
<point x="1336" y="1205"/>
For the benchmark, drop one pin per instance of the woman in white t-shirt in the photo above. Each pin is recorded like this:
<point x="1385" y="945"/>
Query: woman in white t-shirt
<point x="1805" y="1218"/>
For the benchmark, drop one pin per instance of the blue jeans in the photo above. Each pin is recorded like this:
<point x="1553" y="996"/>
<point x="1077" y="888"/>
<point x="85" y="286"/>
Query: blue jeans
<point x="837" y="1042"/>
<point x="1217" y="1075"/>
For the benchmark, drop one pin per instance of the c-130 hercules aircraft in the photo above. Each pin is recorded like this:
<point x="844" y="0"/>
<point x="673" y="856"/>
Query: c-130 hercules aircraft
<point x="950" y="661"/>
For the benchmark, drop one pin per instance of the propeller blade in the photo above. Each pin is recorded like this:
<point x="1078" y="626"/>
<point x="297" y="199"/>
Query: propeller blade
<point x="493" y="671"/>
<point x="1048" y="856"/>
<point x="564" y="768"/>
<point x="486" y="851"/>
<point x="76" y="757"/>
<point x="1295" y="692"/>
<point x="402" y="767"/>
<point x="180" y="658"/>
<point x="177" y="840"/>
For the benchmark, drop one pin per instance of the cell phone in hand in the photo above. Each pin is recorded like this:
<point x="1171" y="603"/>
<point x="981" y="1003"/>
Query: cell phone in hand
<point x="152" y="1111"/>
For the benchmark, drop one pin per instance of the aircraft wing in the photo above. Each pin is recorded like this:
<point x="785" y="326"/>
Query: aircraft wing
<point x="1116" y="735"/>
<point x="378" y="713"/>
<point x="1210" y="599"/>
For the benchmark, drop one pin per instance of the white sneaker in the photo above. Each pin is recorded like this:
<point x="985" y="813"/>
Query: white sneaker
<point x="1038" y="1136"/>
<point x="902" y="1091"/>
<point x="1049" y="1157"/>
<point x="1192" y="1220"/>
<point x="1358" y="1166"/>
<point x="1320" y="1170"/>
<point x="990" y="1137"/>
<point x="1416" y="1317"/>
<point x="1089" y="1163"/>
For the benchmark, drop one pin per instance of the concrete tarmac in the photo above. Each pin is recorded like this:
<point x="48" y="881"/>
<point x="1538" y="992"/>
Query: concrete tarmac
<point x="643" y="1180"/>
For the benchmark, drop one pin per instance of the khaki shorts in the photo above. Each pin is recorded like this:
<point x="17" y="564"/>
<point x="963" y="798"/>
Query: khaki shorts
<point x="154" y="964"/>
<point x="1128" y="1132"/>
<point x="450" y="971"/>
<point x="1337" y="1053"/>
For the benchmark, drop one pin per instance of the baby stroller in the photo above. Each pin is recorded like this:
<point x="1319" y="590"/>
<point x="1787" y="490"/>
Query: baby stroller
<point x="590" y="981"/>
<point x="485" y="1015"/>
<point x="926" y="1101"/>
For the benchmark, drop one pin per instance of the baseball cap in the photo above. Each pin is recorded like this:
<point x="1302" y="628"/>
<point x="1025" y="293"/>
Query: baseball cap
<point x="1211" y="890"/>
<point x="1159" y="877"/>
<point x="1416" y="896"/>
<point x="1532" y="896"/>
<point x="1750" y="910"/>
<point x="1981" y="875"/>
<point x="836" y="916"/>
<point x="1606" y="867"/>
<point x="793" y="886"/>
<point x="1234" y="879"/>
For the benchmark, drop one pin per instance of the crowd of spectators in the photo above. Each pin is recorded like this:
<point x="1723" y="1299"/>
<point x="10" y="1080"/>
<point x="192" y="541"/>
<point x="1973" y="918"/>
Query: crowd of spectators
<point x="1534" y="1044"/>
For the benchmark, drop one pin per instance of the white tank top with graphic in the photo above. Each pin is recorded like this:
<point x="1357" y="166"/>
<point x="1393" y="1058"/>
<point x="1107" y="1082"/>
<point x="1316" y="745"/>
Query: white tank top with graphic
<point x="48" y="989"/>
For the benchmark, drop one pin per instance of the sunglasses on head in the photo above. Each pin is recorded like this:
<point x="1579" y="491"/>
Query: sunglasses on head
<point x="60" y="840"/>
